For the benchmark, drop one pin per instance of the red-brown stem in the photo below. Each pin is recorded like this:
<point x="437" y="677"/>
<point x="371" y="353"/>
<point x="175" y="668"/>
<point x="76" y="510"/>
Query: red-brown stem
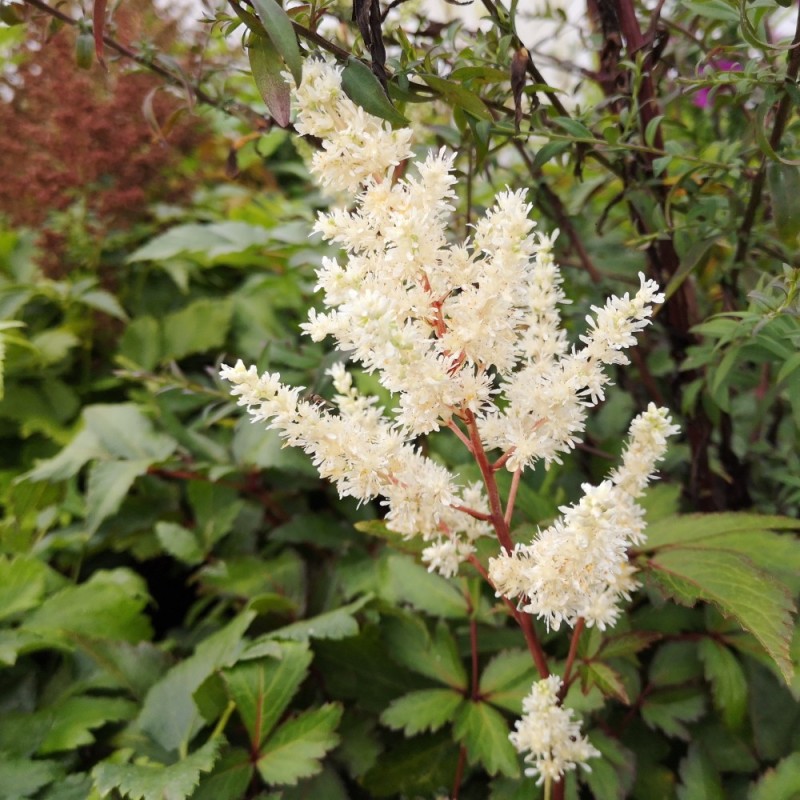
<point x="473" y="513"/>
<point x="497" y="517"/>
<point x="573" y="651"/>
<point x="501" y="462"/>
<point x="512" y="495"/>
<point x="458" y="432"/>
<point x="462" y="760"/>
<point x="523" y="620"/>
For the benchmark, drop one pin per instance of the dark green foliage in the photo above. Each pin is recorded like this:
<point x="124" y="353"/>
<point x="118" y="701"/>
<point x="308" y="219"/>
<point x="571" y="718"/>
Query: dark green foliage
<point x="187" y="611"/>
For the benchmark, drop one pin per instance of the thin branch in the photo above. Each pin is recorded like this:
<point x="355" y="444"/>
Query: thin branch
<point x="573" y="650"/>
<point x="512" y="494"/>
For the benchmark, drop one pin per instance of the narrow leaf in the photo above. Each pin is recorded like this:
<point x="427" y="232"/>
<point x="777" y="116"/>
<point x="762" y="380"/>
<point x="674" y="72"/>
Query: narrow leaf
<point x="365" y="90"/>
<point x="267" y="66"/>
<point x="280" y="30"/>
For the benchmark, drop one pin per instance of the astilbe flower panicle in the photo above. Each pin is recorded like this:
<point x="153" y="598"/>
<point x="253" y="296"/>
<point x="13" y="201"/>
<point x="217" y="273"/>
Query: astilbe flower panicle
<point x="466" y="336"/>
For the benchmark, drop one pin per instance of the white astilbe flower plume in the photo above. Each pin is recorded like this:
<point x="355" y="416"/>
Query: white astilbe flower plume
<point x="549" y="735"/>
<point x="578" y="567"/>
<point x="448" y="327"/>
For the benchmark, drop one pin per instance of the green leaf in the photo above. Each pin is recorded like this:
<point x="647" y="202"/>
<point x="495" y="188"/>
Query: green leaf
<point x="695" y="527"/>
<point x="780" y="783"/>
<point x="337" y="624"/>
<point x="295" y="750"/>
<point x="207" y="243"/>
<point x="22" y="584"/>
<point x="547" y="151"/>
<point x="627" y="644"/>
<point x="415" y="767"/>
<point x="484" y="732"/>
<point x="108" y="485"/>
<point x="612" y="774"/>
<point x="170" y="714"/>
<point x="507" y="679"/>
<point x="433" y="656"/>
<point x="20" y="777"/>
<point x="74" y="719"/>
<point x="425" y="710"/>
<point x="411" y="583"/>
<point x="456" y="95"/>
<point x="699" y="779"/>
<point x="262" y="690"/>
<point x="198" y="328"/>
<point x="179" y="542"/>
<point x="607" y="679"/>
<point x="758" y="602"/>
<point x="727" y="679"/>
<point x="365" y="90"/>
<point x="267" y="68"/>
<point x="229" y="779"/>
<point x="156" y="781"/>
<point x="108" y="606"/>
<point x="671" y="709"/>
<point x="279" y="29"/>
<point x="573" y="127"/>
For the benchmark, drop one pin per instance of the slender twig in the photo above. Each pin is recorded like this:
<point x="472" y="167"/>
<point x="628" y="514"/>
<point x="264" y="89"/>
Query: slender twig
<point x="232" y="107"/>
<point x="573" y="651"/>
<point x="462" y="760"/>
<point x="512" y="494"/>
<point x="473" y="513"/>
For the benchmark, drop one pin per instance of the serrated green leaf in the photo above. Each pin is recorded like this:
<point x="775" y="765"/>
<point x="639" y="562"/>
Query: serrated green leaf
<point x="73" y="720"/>
<point x="671" y="709"/>
<point x="20" y="777"/>
<point x="425" y="710"/>
<point x="484" y="732"/>
<point x="365" y="90"/>
<point x="267" y="68"/>
<point x="156" y="781"/>
<point x="108" y="606"/>
<point x="758" y="602"/>
<point x="170" y="714"/>
<point x="434" y="656"/>
<point x="295" y="750"/>
<point x="692" y="528"/>
<point x="279" y="29"/>
<point x="699" y="779"/>
<point x="108" y="485"/>
<point x="229" y="779"/>
<point x="780" y="783"/>
<point x="215" y="507"/>
<point x="507" y="679"/>
<point x="22" y="584"/>
<point x="410" y="582"/>
<point x="627" y="644"/>
<point x="337" y="624"/>
<point x="613" y="772"/>
<point x="727" y="679"/>
<point x="179" y="542"/>
<point x="607" y="679"/>
<point x="104" y="301"/>
<point x="263" y="689"/>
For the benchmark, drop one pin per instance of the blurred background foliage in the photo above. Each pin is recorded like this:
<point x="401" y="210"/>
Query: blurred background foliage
<point x="185" y="609"/>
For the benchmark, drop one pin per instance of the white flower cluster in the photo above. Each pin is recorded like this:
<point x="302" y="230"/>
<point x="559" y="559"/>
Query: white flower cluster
<point x="578" y="567"/>
<point x="448" y="328"/>
<point x="549" y="734"/>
